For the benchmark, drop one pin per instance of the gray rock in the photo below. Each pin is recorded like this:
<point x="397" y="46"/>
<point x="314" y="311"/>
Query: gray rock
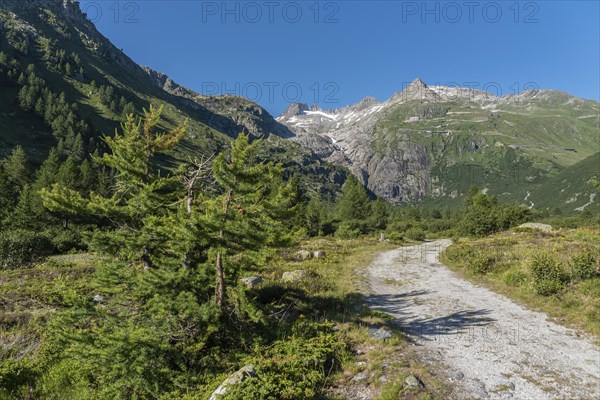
<point x="294" y="276"/>
<point x="456" y="375"/>
<point x="383" y="379"/>
<point x="234" y="379"/>
<point x="252" y="281"/>
<point x="360" y="377"/>
<point x="414" y="382"/>
<point x="479" y="390"/>
<point x="379" y="333"/>
<point x="361" y="365"/>
<point x="98" y="299"/>
<point x="319" y="254"/>
<point x="536" y="226"/>
<point x="303" y="255"/>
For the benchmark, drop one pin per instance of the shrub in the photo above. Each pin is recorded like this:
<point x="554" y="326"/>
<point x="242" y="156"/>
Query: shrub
<point x="472" y="258"/>
<point x="395" y="237"/>
<point x="21" y="247"/>
<point x="515" y="278"/>
<point x="65" y="240"/>
<point x="585" y="265"/>
<point x="346" y="230"/>
<point x="415" y="234"/>
<point x="457" y="253"/>
<point x="479" y="262"/>
<point x="549" y="275"/>
<point x="294" y="368"/>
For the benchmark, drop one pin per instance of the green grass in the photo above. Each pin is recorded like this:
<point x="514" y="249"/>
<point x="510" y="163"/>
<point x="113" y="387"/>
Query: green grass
<point x="330" y="295"/>
<point x="510" y="257"/>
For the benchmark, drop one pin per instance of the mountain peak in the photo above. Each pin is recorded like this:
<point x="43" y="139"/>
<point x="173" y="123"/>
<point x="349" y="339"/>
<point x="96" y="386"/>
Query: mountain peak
<point x="418" y="82"/>
<point x="416" y="90"/>
<point x="366" y="102"/>
<point x="294" y="109"/>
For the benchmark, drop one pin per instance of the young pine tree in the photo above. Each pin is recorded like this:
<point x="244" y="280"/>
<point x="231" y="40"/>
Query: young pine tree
<point x="354" y="207"/>
<point x="247" y="217"/>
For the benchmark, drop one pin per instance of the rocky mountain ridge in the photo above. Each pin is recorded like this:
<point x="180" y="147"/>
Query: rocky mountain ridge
<point x="403" y="148"/>
<point x="35" y="34"/>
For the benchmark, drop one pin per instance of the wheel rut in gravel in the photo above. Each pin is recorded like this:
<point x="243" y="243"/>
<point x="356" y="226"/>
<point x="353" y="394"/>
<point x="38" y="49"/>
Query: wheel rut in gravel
<point x="486" y="344"/>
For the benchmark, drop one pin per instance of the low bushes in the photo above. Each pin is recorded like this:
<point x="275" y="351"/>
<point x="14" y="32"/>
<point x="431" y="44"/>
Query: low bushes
<point x="586" y="264"/>
<point x="294" y="368"/>
<point x="549" y="274"/>
<point x="415" y="234"/>
<point x="21" y="247"/>
<point x="474" y="259"/>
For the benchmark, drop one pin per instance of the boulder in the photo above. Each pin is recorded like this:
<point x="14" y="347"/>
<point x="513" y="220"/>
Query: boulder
<point x="294" y="276"/>
<point x="414" y="382"/>
<point x="234" y="379"/>
<point x="360" y="377"/>
<point x="251" y="281"/>
<point x="303" y="255"/>
<point x="456" y="375"/>
<point x="536" y="226"/>
<point x="319" y="254"/>
<point x="380" y="333"/>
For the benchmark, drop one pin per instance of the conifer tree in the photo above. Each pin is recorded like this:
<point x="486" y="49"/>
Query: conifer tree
<point x="380" y="214"/>
<point x="247" y="216"/>
<point x="354" y="204"/>
<point x="156" y="315"/>
<point x="16" y="169"/>
<point x="139" y="192"/>
<point x="314" y="216"/>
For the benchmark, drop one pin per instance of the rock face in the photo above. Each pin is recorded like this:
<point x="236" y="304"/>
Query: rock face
<point x="426" y="140"/>
<point x="235" y="379"/>
<point x="294" y="276"/>
<point x="318" y="254"/>
<point x="238" y="114"/>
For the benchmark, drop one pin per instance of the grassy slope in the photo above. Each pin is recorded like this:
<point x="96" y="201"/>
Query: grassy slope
<point x="576" y="306"/>
<point x="575" y="189"/>
<point x="511" y="151"/>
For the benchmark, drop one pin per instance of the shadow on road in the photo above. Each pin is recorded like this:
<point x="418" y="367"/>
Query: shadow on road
<point x="456" y="323"/>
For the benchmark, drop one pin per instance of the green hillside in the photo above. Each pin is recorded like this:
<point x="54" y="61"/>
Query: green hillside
<point x="574" y="189"/>
<point x="52" y="54"/>
<point x="510" y="151"/>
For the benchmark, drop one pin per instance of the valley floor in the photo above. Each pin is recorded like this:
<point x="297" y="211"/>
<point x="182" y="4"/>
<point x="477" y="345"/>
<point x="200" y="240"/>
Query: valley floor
<point x="489" y="346"/>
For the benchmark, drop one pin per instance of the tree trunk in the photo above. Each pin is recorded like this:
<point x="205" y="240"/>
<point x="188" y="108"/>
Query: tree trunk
<point x="220" y="288"/>
<point x="146" y="260"/>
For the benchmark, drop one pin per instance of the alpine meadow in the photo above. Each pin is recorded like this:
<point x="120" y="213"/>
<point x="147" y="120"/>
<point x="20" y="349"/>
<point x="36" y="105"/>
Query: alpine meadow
<point x="382" y="237"/>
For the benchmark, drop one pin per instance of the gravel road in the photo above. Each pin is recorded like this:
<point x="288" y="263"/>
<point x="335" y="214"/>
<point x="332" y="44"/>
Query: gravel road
<point x="489" y="346"/>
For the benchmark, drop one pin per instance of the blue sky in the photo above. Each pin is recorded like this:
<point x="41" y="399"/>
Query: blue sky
<point x="336" y="52"/>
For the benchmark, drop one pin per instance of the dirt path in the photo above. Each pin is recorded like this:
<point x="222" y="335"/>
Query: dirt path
<point x="490" y="346"/>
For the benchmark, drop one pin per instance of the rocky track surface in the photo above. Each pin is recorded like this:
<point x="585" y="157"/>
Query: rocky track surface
<point x="487" y="345"/>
